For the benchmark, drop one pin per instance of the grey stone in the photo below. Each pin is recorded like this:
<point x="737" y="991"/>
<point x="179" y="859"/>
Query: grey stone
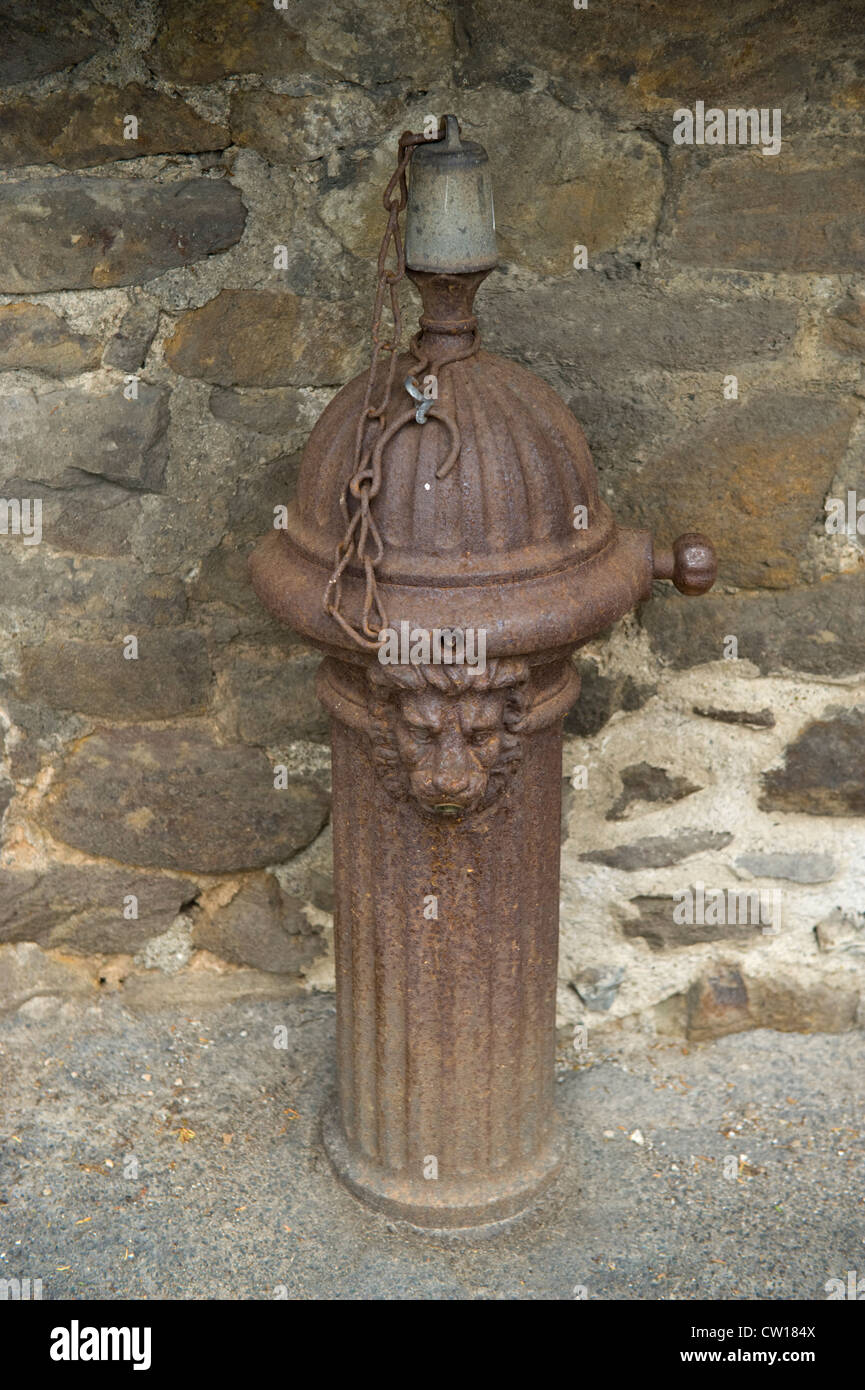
<point x="819" y="629"/>
<point x="773" y="215"/>
<point x="27" y="972"/>
<point x="94" y="518"/>
<point x="171" y="951"/>
<point x="842" y="931"/>
<point x="170" y="675"/>
<point x="128" y="348"/>
<point x="308" y="877"/>
<point x="85" y="908"/>
<point x="598" y="985"/>
<point x="296" y="129"/>
<point x="755" y="719"/>
<point x="41" y="37"/>
<point x="176" y="799"/>
<point x="659" y="851"/>
<point x="267" y="696"/>
<point x="58" y="436"/>
<point x="656" y="926"/>
<point x="592" y="324"/>
<point x="618" y="423"/>
<point x="284" y="411"/>
<point x="90" y="233"/>
<point x="824" y="770"/>
<point x="262" y="927"/>
<point x="600" y="697"/>
<point x="88" y="599"/>
<point x="798" y="868"/>
<point x="644" y="782"/>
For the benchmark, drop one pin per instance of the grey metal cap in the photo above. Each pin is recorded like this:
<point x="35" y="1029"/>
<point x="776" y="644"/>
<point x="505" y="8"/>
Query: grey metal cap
<point x="450" y="222"/>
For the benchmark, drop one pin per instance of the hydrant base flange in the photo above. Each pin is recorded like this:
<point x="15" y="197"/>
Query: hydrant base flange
<point x="477" y="1203"/>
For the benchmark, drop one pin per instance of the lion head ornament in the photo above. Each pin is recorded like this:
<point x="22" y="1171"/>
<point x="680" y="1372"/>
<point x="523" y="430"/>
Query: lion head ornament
<point x="448" y="735"/>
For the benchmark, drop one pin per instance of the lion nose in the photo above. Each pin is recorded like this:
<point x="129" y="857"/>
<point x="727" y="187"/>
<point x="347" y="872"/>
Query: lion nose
<point x="452" y="773"/>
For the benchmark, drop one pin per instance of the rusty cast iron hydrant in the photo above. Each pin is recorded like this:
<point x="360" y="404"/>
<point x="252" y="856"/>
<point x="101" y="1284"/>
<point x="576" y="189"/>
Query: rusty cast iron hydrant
<point x="449" y="491"/>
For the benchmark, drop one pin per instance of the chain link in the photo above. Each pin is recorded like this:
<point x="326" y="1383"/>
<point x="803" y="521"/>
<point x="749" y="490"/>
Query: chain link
<point x="362" y="540"/>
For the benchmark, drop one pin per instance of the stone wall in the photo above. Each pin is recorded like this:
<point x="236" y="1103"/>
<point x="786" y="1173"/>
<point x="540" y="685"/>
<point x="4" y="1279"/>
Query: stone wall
<point x="181" y="294"/>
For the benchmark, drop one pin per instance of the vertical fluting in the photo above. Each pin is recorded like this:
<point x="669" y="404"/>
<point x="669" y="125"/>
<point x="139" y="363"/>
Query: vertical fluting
<point x="446" y="945"/>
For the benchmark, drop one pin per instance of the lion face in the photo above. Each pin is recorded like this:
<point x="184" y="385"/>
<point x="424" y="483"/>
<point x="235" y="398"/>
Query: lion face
<point x="449" y="746"/>
<point x="447" y="738"/>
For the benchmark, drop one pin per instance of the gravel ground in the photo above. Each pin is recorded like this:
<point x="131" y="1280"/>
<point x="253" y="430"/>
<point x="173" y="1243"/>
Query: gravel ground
<point x="160" y="1156"/>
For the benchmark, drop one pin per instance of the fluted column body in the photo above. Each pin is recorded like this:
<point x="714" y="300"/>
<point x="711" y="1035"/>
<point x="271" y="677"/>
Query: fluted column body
<point x="446" y="952"/>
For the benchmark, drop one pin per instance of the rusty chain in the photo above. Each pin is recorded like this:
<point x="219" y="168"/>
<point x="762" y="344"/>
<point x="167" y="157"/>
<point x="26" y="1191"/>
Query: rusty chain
<point x="365" y="482"/>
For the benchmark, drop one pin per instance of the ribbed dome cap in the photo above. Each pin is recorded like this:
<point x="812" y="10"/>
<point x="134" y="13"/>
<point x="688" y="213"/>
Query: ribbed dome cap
<point x="507" y="506"/>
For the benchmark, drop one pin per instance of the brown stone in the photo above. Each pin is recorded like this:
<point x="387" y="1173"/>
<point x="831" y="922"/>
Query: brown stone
<point x="750" y="212"/>
<point x="258" y="338"/>
<point x="724" y="1001"/>
<point x="201" y="41"/>
<point x="754" y="478"/>
<point x="169" y="677"/>
<point x="33" y="338"/>
<point x="717" y="1004"/>
<point x="262" y="927"/>
<point x="845" y="326"/>
<point x="599" y="192"/>
<point x="74" y="233"/>
<point x="174" y="798"/>
<point x="824" y="769"/>
<point x="658" y="57"/>
<point x="83" y="127"/>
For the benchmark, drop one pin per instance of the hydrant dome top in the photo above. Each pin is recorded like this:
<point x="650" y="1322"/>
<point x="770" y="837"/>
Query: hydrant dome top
<point x="520" y="499"/>
<point x="509" y="536"/>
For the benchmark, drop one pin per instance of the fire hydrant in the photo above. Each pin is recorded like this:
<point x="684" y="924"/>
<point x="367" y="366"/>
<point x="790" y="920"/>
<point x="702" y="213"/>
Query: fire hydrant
<point x="448" y="551"/>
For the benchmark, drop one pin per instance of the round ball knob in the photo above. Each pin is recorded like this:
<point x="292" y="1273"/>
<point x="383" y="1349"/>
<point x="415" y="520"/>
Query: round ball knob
<point x="691" y="563"/>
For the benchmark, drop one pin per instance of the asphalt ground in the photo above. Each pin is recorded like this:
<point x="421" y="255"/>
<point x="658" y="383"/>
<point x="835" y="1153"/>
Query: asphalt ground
<point x="163" y="1156"/>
